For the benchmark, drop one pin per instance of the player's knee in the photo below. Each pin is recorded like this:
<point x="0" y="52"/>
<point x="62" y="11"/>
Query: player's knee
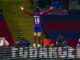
<point x="39" y="34"/>
<point x="35" y="34"/>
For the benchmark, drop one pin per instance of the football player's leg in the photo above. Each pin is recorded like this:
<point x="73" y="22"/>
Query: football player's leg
<point x="34" y="37"/>
<point x="39" y="34"/>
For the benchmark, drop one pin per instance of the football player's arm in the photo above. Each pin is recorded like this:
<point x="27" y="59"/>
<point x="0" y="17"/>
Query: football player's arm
<point x="51" y="8"/>
<point x="22" y="8"/>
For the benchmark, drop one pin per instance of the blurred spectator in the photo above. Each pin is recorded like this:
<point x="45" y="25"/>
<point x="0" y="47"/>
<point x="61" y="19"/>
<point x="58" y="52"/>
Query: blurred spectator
<point x="17" y="43"/>
<point x="64" y="43"/>
<point x="74" y="5"/>
<point x="55" y="4"/>
<point x="42" y="4"/>
<point x="53" y="43"/>
<point x="78" y="45"/>
<point x="35" y="3"/>
<point x="27" y="43"/>
<point x="3" y="42"/>
<point x="46" y="42"/>
<point x="57" y="10"/>
<point x="64" y="4"/>
<point x="24" y="42"/>
<point x="59" y="40"/>
<point x="21" y="41"/>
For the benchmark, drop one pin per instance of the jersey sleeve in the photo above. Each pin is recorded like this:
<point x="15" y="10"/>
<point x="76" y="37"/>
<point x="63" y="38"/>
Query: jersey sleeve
<point x="31" y="14"/>
<point x="45" y="12"/>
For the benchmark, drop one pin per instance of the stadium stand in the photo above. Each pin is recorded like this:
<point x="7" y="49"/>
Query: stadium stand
<point x="67" y="26"/>
<point x="17" y="21"/>
<point x="4" y="30"/>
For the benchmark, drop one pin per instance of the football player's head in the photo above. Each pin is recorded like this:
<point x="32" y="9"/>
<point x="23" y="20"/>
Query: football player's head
<point x="36" y="10"/>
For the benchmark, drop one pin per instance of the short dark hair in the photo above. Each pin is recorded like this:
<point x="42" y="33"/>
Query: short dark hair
<point x="36" y="10"/>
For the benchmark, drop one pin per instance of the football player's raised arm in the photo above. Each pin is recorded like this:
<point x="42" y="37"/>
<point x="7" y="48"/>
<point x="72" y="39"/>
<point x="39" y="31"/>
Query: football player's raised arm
<point x="22" y="8"/>
<point x="51" y="8"/>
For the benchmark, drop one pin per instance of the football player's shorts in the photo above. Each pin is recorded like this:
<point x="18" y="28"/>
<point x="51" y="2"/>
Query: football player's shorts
<point x="36" y="28"/>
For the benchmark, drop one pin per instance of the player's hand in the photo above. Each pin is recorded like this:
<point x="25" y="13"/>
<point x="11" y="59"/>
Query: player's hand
<point x="21" y="7"/>
<point x="51" y="8"/>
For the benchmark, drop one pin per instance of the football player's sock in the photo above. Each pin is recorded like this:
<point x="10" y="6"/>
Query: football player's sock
<point x="38" y="42"/>
<point x="34" y="39"/>
<point x="38" y="39"/>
